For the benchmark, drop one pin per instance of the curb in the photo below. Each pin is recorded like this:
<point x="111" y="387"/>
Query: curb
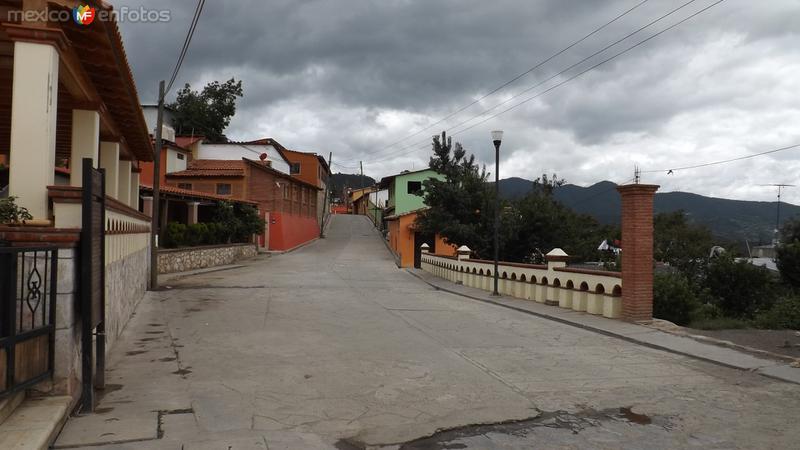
<point x="603" y="332"/>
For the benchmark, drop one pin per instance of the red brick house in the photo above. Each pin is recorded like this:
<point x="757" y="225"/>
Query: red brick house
<point x="287" y="204"/>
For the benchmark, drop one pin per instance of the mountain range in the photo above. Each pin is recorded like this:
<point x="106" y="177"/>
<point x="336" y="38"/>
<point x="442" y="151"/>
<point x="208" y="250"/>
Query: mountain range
<point x="732" y="220"/>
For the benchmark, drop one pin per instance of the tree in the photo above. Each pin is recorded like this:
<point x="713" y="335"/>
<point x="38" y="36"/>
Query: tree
<point x="461" y="205"/>
<point x="788" y="253"/>
<point x="681" y="244"/>
<point x="207" y="113"/>
<point x="739" y="288"/>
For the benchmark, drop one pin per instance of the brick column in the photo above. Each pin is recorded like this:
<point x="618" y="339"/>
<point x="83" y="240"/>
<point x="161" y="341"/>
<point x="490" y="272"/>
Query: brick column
<point x="637" y="251"/>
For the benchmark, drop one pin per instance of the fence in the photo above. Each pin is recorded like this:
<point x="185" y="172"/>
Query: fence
<point x="28" y="277"/>
<point x="593" y="291"/>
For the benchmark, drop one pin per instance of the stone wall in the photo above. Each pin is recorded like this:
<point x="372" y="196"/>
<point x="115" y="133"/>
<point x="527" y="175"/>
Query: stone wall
<point x="126" y="283"/>
<point x="184" y="259"/>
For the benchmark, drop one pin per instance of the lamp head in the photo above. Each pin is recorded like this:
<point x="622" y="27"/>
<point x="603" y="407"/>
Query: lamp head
<point x="497" y="137"/>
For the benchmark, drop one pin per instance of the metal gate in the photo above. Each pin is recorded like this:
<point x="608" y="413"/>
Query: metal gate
<point x="28" y="277"/>
<point x="92" y="302"/>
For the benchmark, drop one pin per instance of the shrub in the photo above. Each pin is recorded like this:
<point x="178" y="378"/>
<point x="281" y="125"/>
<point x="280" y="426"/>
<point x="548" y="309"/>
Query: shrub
<point x="740" y="289"/>
<point x="174" y="235"/>
<point x="784" y="314"/>
<point x="673" y="298"/>
<point x="788" y="256"/>
<point x="196" y="234"/>
<point x="11" y="213"/>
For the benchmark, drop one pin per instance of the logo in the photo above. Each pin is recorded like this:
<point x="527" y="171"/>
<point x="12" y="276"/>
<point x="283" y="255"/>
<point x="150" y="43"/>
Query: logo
<point x="83" y="15"/>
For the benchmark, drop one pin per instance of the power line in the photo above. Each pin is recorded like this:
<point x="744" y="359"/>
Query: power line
<point x="669" y="171"/>
<point x="568" y="69"/>
<point x="192" y="27"/>
<point x="521" y="75"/>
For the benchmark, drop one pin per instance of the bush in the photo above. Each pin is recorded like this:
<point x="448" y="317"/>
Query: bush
<point x="788" y="256"/>
<point x="784" y="315"/>
<point x="740" y="289"/>
<point x="11" y="213"/>
<point x="673" y="298"/>
<point x="174" y="235"/>
<point x="196" y="234"/>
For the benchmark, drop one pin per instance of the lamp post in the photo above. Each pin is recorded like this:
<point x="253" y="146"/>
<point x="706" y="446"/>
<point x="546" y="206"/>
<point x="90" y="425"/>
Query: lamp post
<point x="497" y="138"/>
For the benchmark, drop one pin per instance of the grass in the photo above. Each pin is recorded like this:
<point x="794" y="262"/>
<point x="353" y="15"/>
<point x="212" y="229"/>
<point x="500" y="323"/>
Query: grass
<point x="721" y="323"/>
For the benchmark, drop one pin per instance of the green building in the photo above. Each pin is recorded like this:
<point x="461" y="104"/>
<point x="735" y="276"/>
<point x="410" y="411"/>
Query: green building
<point x="406" y="191"/>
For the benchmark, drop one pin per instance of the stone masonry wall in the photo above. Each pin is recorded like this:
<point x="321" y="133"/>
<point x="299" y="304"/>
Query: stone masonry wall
<point x="126" y="283"/>
<point x="182" y="260"/>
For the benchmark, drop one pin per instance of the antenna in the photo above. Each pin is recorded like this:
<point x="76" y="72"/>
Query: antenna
<point x="780" y="187"/>
<point x="637" y="174"/>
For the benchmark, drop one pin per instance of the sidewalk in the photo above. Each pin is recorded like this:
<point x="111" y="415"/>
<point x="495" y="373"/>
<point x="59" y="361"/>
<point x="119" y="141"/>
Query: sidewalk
<point x="631" y="332"/>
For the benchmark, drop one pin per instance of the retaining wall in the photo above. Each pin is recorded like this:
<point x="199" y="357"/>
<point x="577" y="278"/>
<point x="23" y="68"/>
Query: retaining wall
<point x="184" y="259"/>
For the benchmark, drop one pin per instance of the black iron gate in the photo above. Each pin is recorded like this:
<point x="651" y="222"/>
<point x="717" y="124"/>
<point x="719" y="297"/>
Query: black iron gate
<point x="93" y="283"/>
<point x="28" y="277"/>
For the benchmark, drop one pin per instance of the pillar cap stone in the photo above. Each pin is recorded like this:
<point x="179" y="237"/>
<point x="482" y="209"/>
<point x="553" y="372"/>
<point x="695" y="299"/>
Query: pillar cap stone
<point x="425" y="246"/>
<point x="557" y="254"/>
<point x="638" y="188"/>
<point x="464" y="250"/>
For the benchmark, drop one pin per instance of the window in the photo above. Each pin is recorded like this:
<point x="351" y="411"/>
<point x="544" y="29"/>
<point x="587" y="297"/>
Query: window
<point x="181" y="156"/>
<point x="223" y="189"/>
<point x="294" y="168"/>
<point x="415" y="187"/>
<point x="187" y="186"/>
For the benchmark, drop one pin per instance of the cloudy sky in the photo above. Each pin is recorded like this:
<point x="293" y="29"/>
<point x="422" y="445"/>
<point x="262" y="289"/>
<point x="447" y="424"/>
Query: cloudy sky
<point x="354" y="77"/>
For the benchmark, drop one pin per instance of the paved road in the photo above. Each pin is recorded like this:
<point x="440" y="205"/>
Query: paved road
<point x="333" y="347"/>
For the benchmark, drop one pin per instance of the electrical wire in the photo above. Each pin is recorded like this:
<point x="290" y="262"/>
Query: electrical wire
<point x="570" y="79"/>
<point x="521" y="75"/>
<point x="562" y="72"/>
<point x="187" y="41"/>
<point x="669" y="171"/>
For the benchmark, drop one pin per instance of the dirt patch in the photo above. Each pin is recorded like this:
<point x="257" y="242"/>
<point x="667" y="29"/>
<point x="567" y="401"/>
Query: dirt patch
<point x="782" y="342"/>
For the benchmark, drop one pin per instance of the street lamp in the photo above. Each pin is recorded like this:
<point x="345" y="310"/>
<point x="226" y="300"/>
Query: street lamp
<point x="497" y="138"/>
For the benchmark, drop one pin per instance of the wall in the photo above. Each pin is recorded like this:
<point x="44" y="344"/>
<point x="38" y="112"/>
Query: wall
<point x="287" y="231"/>
<point x="401" y="239"/>
<point x="592" y="291"/>
<point x="185" y="259"/>
<point x="405" y="202"/>
<point x="174" y="161"/>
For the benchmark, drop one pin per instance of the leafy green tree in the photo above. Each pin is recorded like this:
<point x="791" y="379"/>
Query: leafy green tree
<point x="788" y="254"/>
<point x="674" y="299"/>
<point x="681" y="244"/>
<point x="461" y="205"/>
<point x="740" y="289"/>
<point x="208" y="112"/>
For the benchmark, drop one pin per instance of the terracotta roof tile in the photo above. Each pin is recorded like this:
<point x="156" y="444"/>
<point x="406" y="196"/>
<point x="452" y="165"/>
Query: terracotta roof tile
<point x="207" y="173"/>
<point x="187" y="141"/>
<point x="216" y="164"/>
<point x="196" y="194"/>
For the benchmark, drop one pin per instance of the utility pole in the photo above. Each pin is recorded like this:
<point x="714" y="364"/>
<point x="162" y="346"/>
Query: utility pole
<point x="361" y="181"/>
<point x="497" y="138"/>
<point x="325" y="201"/>
<point x="778" y="217"/>
<point x="154" y="221"/>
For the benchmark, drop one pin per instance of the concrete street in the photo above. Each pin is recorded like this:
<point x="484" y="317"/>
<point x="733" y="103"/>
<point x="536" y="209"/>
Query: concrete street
<point x="332" y="346"/>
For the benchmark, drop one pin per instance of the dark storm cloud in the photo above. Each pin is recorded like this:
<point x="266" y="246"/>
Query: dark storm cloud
<point x="354" y="76"/>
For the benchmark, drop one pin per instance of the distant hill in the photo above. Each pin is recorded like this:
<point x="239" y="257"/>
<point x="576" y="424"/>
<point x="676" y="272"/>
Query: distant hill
<point x="342" y="181"/>
<point x="734" y="220"/>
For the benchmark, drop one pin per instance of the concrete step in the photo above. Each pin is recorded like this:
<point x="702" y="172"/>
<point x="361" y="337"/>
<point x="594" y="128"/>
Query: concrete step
<point x="35" y="423"/>
<point x="9" y="404"/>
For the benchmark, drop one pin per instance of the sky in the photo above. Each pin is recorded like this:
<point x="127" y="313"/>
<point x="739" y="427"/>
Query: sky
<point x="371" y="80"/>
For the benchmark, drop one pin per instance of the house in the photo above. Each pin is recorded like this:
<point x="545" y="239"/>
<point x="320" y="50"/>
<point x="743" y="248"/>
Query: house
<point x="311" y="168"/>
<point x="69" y="98"/>
<point x="405" y="201"/>
<point x="287" y="204"/>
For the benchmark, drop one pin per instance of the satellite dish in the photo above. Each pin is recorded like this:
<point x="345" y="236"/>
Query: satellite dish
<point x="263" y="156"/>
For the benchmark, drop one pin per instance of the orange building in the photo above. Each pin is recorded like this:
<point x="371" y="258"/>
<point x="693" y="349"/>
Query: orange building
<point x="406" y="242"/>
<point x="288" y="205"/>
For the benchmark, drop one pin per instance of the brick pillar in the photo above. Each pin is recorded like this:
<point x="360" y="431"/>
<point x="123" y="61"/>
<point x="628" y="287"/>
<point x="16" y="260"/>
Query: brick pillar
<point x="637" y="251"/>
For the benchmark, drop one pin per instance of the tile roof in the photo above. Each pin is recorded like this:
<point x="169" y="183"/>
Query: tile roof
<point x="216" y="164"/>
<point x="187" y="141"/>
<point x="207" y="173"/>
<point x="195" y="194"/>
